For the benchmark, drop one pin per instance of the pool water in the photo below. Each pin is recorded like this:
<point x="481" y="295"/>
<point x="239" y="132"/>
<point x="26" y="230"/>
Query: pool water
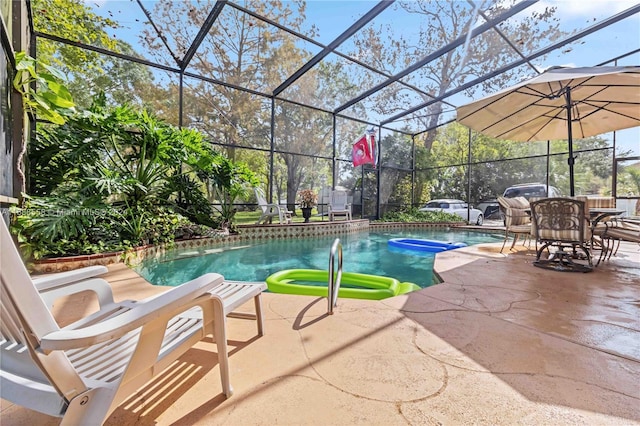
<point x="365" y="252"/>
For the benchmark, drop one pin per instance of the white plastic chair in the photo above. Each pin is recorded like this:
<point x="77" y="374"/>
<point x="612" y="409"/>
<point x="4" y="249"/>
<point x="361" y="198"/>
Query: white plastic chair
<point x="83" y="371"/>
<point x="270" y="210"/>
<point x="339" y="205"/>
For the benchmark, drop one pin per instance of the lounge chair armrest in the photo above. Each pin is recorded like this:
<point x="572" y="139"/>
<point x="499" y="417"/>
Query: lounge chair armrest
<point x="160" y="307"/>
<point x="51" y="287"/>
<point x="63" y="278"/>
<point x="277" y="208"/>
<point x="100" y="287"/>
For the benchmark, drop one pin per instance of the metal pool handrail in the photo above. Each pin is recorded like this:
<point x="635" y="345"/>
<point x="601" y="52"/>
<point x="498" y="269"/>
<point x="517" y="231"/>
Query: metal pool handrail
<point x="334" y="279"/>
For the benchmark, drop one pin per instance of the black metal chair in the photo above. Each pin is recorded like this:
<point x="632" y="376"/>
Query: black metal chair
<point x="562" y="223"/>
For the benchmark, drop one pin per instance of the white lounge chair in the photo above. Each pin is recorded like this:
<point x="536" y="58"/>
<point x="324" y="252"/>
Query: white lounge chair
<point x="270" y="210"/>
<point x="83" y="371"/>
<point x="339" y="205"/>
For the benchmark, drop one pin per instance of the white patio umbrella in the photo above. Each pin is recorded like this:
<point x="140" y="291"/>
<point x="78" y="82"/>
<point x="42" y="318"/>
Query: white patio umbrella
<point x="561" y="103"/>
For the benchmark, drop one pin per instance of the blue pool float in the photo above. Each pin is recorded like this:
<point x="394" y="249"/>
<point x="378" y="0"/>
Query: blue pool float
<point x="431" y="246"/>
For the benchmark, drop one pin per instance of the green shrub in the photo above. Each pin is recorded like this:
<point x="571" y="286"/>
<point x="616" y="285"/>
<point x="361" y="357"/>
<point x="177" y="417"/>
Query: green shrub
<point x="64" y="226"/>
<point x="414" y="215"/>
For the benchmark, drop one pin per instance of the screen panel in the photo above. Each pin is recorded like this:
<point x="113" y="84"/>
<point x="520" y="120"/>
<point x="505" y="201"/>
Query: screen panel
<point x="303" y="130"/>
<point x="227" y="116"/>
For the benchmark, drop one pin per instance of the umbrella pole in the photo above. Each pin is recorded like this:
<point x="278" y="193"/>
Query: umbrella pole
<point x="571" y="159"/>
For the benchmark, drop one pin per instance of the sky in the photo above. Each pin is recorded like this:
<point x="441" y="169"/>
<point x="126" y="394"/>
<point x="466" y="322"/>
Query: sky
<point x="332" y="17"/>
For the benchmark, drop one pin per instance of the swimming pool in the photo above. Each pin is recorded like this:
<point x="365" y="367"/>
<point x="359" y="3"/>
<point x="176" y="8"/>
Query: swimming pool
<point x="365" y="252"/>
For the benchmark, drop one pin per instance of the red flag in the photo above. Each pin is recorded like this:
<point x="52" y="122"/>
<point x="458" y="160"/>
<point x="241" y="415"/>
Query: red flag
<point x="362" y="152"/>
<point x="372" y="147"/>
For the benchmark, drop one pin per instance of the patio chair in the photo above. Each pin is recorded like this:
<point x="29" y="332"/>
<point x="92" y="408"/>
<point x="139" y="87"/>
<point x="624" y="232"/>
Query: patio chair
<point x="339" y="205"/>
<point x="517" y="219"/>
<point x="594" y="202"/>
<point x="270" y="210"/>
<point x="563" y="224"/>
<point x="85" y="370"/>
<point x="598" y="222"/>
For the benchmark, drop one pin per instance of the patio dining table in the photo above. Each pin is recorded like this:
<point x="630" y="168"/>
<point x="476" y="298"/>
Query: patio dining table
<point x="599" y="214"/>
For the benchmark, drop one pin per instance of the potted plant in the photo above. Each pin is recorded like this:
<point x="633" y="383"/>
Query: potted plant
<point x="307" y="199"/>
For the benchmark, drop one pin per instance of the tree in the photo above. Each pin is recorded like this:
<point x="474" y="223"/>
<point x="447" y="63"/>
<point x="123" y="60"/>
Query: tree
<point x="300" y="131"/>
<point x="629" y="182"/>
<point x="89" y="72"/>
<point x="442" y="22"/>
<point x="308" y="131"/>
<point x="244" y="52"/>
<point x="395" y="149"/>
<point x="239" y="50"/>
<point x="72" y="20"/>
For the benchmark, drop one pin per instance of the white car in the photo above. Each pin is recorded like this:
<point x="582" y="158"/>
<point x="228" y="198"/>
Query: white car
<point x="457" y="207"/>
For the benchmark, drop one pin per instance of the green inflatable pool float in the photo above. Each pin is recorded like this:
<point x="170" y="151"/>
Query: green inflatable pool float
<point x="313" y="282"/>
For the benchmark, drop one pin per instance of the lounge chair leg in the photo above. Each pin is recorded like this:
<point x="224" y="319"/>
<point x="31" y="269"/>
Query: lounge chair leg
<point x="220" y="334"/>
<point x="87" y="407"/>
<point x="257" y="300"/>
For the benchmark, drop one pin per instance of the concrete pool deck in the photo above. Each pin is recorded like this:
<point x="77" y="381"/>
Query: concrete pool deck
<point x="499" y="342"/>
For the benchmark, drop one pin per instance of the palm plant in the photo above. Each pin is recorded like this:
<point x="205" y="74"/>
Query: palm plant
<point x="227" y="181"/>
<point x="121" y="155"/>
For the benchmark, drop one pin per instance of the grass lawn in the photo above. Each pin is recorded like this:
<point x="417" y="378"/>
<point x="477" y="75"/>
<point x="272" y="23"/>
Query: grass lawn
<point x="250" y="218"/>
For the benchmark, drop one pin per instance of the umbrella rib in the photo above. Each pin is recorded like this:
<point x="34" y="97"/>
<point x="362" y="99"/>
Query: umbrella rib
<point x="528" y="121"/>
<point x="516" y="90"/>
<point x="604" y="107"/>
<point x="590" y="102"/>
<point x="541" y="96"/>
<point x="554" y="95"/>
<point x="594" y="103"/>
<point x="579" y="118"/>
<point x="485" y="106"/>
